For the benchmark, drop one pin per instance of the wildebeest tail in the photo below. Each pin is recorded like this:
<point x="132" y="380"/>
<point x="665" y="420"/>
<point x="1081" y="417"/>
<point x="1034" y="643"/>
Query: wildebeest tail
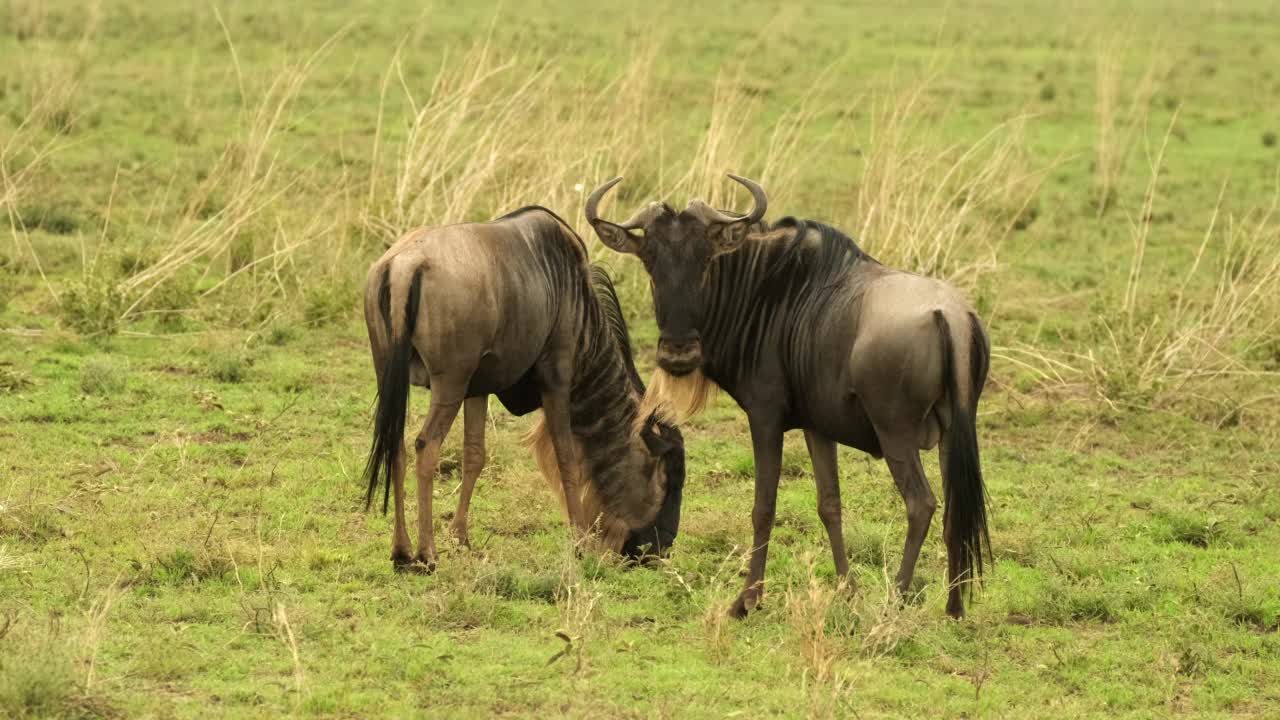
<point x="393" y="390"/>
<point x="965" y="514"/>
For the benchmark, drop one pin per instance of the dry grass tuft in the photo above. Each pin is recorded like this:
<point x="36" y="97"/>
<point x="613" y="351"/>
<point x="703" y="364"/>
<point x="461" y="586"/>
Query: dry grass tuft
<point x="775" y="161"/>
<point x="820" y="615"/>
<point x="490" y="135"/>
<point x="724" y="146"/>
<point x="578" y="604"/>
<point x="25" y="19"/>
<point x="1118" y="128"/>
<point x="53" y="79"/>
<point x="284" y="633"/>
<point x="886" y="620"/>
<point x="241" y="187"/>
<point x="836" y="625"/>
<point x="96" y="628"/>
<point x="51" y="672"/>
<point x="933" y="207"/>
<point x="23" y="154"/>
<point x="11" y="561"/>
<point x="719" y="629"/>
<point x="1160" y="347"/>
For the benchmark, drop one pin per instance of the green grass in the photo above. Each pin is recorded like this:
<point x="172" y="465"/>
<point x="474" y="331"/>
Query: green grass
<point x="181" y="441"/>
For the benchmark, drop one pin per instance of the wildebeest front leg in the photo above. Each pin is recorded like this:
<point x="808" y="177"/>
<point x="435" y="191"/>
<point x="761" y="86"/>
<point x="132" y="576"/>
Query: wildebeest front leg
<point x="822" y="451"/>
<point x="908" y="475"/>
<point x="474" y="413"/>
<point x="445" y="403"/>
<point x="555" y="405"/>
<point x="766" y="443"/>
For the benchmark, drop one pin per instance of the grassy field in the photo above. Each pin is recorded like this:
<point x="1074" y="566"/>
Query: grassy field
<point x="191" y="193"/>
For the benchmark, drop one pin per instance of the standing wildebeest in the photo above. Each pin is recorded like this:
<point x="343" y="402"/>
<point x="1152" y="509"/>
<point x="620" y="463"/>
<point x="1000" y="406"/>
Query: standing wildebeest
<point x="804" y="330"/>
<point x="511" y="308"/>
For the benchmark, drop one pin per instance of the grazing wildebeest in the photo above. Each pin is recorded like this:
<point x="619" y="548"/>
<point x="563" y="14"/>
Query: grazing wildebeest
<point x="509" y="308"/>
<point x="804" y="330"/>
<point x="656" y="538"/>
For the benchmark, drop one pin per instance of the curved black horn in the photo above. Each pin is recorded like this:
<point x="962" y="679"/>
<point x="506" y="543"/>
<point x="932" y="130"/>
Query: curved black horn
<point x="757" y="194"/>
<point x="594" y="199"/>
<point x="761" y="201"/>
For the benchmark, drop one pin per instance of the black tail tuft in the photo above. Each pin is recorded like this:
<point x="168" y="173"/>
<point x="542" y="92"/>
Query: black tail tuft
<point x="965" y="514"/>
<point x="393" y="392"/>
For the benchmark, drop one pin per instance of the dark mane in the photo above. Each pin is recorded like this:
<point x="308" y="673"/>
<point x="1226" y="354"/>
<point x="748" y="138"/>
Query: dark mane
<point x="538" y="208"/>
<point x="531" y="208"/>
<point x="611" y="309"/>
<point x="787" y="273"/>
<point x="821" y="265"/>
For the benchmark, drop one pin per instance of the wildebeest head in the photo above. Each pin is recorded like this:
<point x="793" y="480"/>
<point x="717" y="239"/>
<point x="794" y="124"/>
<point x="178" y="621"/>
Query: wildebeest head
<point x="676" y="249"/>
<point x="665" y="446"/>
<point x="637" y="512"/>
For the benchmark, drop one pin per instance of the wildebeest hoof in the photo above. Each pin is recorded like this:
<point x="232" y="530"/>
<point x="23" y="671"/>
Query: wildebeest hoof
<point x="641" y="560"/>
<point x="648" y="554"/>
<point x="413" y="566"/>
<point x="747" y="601"/>
<point x="461" y="536"/>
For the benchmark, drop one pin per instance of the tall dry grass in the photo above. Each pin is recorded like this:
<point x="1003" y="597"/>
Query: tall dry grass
<point x="1155" y="346"/>
<point x="492" y="130"/>
<point x="834" y="626"/>
<point x="52" y="77"/>
<point x="776" y="158"/>
<point x="929" y="205"/>
<point x="495" y="131"/>
<point x="242" y="186"/>
<point x="233" y="225"/>
<point x="580" y="606"/>
<point x="25" y="19"/>
<point x="49" y="669"/>
<point x="1119" y="123"/>
<point x="1169" y="345"/>
<point x="22" y="156"/>
<point x="819" y="614"/>
<point x="718" y="628"/>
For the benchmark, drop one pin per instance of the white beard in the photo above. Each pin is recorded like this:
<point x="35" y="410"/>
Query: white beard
<point x="676" y="399"/>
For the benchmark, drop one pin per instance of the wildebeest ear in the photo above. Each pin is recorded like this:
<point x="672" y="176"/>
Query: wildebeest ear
<point x="727" y="237"/>
<point x="655" y="440"/>
<point x="618" y="238"/>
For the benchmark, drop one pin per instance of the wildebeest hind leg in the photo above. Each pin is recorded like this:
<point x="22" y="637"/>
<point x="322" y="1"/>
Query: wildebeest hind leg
<point x="474" y="413"/>
<point x="822" y="451"/>
<point x="401" y="548"/>
<point x="446" y="400"/>
<point x="908" y="475"/>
